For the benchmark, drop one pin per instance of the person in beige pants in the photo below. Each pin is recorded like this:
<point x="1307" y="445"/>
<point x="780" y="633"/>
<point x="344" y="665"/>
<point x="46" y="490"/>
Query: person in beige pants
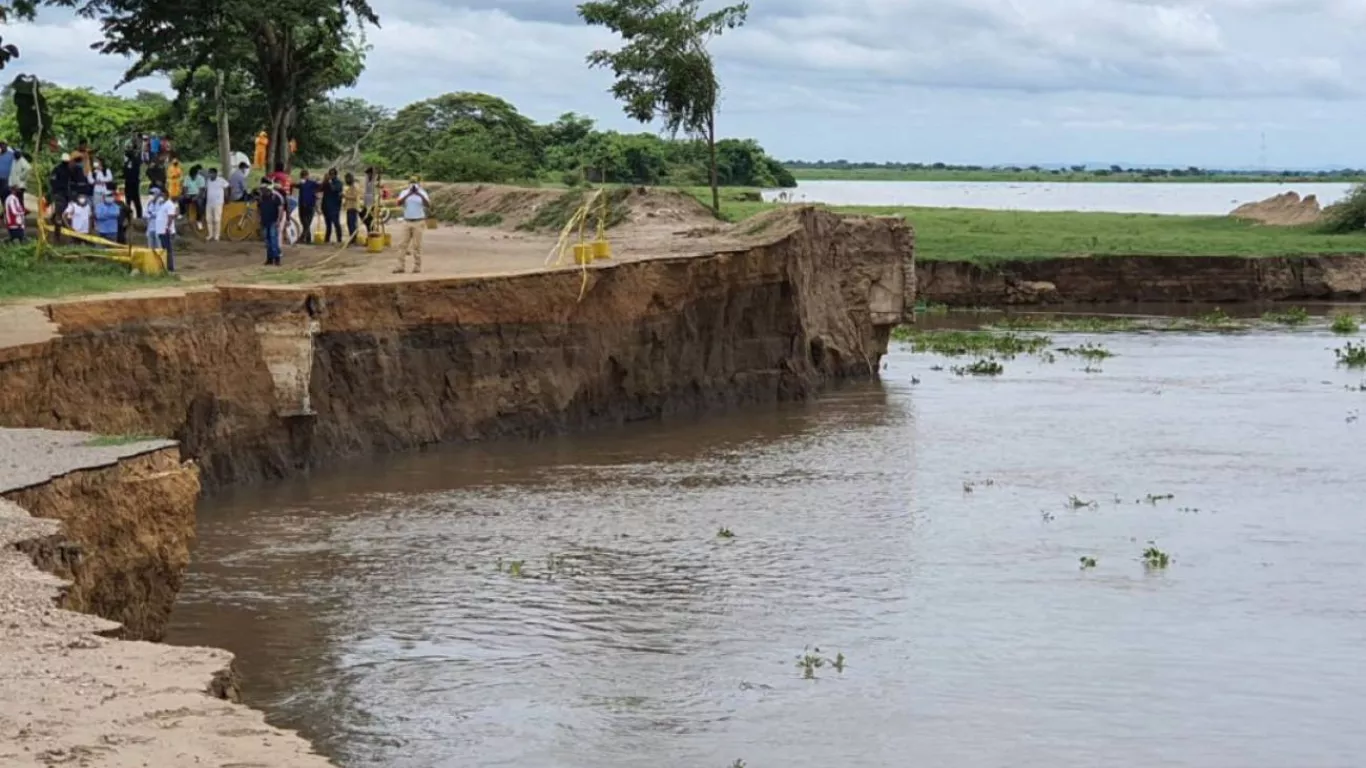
<point x="415" y="205"/>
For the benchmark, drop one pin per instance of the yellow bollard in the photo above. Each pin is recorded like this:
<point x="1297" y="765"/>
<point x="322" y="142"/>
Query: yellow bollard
<point x="601" y="250"/>
<point x="583" y="253"/>
<point x="375" y="243"/>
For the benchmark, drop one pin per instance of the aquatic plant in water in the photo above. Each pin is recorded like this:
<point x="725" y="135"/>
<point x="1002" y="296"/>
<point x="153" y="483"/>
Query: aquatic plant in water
<point x="811" y="660"/>
<point x="1077" y="502"/>
<point x="1087" y="562"/>
<point x="725" y="533"/>
<point x="1087" y="351"/>
<point x="985" y="367"/>
<point x="1291" y="316"/>
<point x="962" y="343"/>
<point x="1352" y="355"/>
<point x="1066" y="324"/>
<point x="1154" y="558"/>
<point x="1345" y="325"/>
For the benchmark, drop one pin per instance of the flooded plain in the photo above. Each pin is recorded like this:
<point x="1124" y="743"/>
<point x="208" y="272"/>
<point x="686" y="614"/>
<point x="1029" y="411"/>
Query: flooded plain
<point x="570" y="602"/>
<point x="1184" y="198"/>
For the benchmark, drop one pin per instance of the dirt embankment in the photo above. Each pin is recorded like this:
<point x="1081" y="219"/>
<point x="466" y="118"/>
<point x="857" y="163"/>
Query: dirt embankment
<point x="116" y="522"/>
<point x="1100" y="279"/>
<point x="1283" y="210"/>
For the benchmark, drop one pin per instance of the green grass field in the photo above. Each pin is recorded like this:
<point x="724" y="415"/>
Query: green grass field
<point x="969" y="234"/>
<point x="997" y="174"/>
<point x="62" y="272"/>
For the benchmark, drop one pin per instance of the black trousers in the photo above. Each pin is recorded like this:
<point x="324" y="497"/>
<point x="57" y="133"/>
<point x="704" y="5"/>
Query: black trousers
<point x="133" y="196"/>
<point x="332" y="222"/>
<point x="306" y="223"/>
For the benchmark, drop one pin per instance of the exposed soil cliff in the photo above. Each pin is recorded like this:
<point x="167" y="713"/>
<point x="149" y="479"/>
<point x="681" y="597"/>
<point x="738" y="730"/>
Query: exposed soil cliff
<point x="1222" y="279"/>
<point x="258" y="382"/>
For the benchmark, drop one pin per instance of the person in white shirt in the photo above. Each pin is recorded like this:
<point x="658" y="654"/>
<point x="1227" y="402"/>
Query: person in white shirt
<point x="166" y="212"/>
<point x="215" y="195"/>
<point x="414" y="202"/>
<point x="101" y="180"/>
<point x="78" y="215"/>
<point x="18" y="174"/>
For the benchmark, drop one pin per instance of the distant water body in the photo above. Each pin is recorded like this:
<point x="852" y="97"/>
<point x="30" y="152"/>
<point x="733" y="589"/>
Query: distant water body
<point x="1188" y="199"/>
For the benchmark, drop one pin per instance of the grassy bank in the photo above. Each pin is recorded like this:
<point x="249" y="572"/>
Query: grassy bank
<point x="1005" y="174"/>
<point x="970" y="234"/>
<point x="63" y="272"/>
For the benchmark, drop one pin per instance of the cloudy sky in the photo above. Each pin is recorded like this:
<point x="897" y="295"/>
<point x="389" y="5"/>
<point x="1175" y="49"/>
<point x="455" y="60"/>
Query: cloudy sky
<point x="1196" y="82"/>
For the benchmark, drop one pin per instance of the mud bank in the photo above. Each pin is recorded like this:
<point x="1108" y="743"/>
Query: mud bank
<point x="255" y="383"/>
<point x="1098" y="279"/>
<point x="116" y="523"/>
<point x="259" y="382"/>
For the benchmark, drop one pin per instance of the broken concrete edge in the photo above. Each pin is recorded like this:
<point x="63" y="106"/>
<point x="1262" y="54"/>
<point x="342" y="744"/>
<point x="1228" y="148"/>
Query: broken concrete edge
<point x="68" y="690"/>
<point x="81" y="451"/>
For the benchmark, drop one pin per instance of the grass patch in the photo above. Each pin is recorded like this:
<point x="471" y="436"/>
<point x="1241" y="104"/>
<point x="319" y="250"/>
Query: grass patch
<point x="1345" y="325"/>
<point x="1291" y="316"/>
<point x="1061" y="324"/>
<point x="555" y="214"/>
<point x="1352" y="355"/>
<point x="959" y="343"/>
<point x="65" y="271"/>
<point x="109" y="441"/>
<point x="489" y="219"/>
<point x="282" y="276"/>
<point x="1087" y="351"/>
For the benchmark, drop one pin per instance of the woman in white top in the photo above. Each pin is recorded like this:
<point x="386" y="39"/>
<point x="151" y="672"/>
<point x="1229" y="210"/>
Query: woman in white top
<point x="78" y="215"/>
<point x="101" y="179"/>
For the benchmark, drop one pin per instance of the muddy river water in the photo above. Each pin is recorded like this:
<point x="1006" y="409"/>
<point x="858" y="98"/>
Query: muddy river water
<point x="921" y="526"/>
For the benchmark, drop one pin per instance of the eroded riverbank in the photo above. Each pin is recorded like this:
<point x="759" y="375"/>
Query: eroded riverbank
<point x="259" y="383"/>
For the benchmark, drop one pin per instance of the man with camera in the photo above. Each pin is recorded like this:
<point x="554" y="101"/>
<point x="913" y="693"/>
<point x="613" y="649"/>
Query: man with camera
<point x="414" y="202"/>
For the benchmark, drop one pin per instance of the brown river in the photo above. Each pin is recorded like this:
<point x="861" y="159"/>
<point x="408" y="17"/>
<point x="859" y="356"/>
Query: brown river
<point x="569" y="602"/>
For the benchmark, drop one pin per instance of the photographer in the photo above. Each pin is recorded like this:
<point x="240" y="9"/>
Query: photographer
<point x="415" y="205"/>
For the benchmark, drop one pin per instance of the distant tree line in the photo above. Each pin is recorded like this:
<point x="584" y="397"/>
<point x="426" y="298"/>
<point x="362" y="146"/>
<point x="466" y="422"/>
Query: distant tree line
<point x="1113" y="170"/>
<point x="454" y="137"/>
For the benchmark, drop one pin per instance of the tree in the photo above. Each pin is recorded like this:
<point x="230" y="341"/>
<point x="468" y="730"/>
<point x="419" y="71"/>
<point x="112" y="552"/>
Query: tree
<point x="293" y="51"/>
<point x="663" y="70"/>
<point x="462" y="137"/>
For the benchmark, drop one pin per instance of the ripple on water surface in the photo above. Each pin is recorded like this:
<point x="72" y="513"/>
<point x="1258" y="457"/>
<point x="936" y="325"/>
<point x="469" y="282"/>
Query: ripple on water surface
<point x="923" y="530"/>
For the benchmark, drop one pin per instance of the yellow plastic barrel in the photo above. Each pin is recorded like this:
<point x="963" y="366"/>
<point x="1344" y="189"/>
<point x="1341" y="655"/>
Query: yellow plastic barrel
<point x="147" y="262"/>
<point x="601" y="250"/>
<point x="375" y="243"/>
<point x="388" y="239"/>
<point x="583" y="254"/>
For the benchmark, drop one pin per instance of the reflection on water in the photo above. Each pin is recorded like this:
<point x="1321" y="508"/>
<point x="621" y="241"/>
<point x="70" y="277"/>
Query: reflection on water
<point x="369" y="610"/>
<point x="1194" y="199"/>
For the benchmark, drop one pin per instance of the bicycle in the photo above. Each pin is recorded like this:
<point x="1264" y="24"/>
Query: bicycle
<point x="247" y="226"/>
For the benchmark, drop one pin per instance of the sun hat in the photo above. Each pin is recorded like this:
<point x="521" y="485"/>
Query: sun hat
<point x="66" y="157"/>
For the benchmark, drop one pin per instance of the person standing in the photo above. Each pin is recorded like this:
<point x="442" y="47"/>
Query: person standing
<point x="271" y="207"/>
<point x="6" y="166"/>
<point x="107" y="218"/>
<point x="78" y="214"/>
<point x="215" y="194"/>
<point x="132" y="178"/>
<point x="101" y="180"/>
<point x="351" y="198"/>
<point x="18" y="174"/>
<point x="308" y="203"/>
<point x="189" y="199"/>
<point x="156" y="175"/>
<point x="332" y="205"/>
<point x="368" y="200"/>
<point x="125" y="218"/>
<point x="262" y="144"/>
<point x="175" y="180"/>
<point x="414" y="202"/>
<point x="153" y="205"/>
<point x="166" y="209"/>
<point x="60" y="189"/>
<point x="14" y="216"/>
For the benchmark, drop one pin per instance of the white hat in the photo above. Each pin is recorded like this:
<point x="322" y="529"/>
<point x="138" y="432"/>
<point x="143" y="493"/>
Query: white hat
<point x="66" y="156"/>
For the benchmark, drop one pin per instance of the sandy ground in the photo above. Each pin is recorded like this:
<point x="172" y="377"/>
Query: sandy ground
<point x="69" y="697"/>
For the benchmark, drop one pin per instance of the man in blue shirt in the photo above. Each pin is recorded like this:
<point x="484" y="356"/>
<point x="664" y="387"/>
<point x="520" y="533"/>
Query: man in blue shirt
<point x="107" y="218"/>
<point x="271" y="208"/>
<point x="308" y="203"/>
<point x="6" y="165"/>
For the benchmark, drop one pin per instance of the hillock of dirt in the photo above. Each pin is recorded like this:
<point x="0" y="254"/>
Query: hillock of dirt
<point x="1284" y="210"/>
<point x="531" y="209"/>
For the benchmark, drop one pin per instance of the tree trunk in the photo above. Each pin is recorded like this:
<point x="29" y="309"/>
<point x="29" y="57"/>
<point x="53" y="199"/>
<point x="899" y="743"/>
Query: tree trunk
<point x="221" y="114"/>
<point x="711" y="149"/>
<point x="277" y="136"/>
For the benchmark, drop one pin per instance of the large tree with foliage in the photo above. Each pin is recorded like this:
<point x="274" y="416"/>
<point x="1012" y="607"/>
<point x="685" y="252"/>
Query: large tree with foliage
<point x="465" y="136"/>
<point x="293" y="51"/>
<point x="663" y="69"/>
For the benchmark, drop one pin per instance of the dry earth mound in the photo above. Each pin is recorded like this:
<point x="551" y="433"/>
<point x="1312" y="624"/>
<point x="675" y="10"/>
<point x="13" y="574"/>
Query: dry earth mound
<point x="532" y="209"/>
<point x="1284" y="210"/>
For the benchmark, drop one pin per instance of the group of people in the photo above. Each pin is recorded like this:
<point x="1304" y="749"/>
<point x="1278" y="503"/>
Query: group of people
<point x="85" y="199"/>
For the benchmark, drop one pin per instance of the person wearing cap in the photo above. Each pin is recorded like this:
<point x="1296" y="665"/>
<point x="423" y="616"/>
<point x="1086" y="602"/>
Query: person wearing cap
<point x="60" y="191"/>
<point x="414" y="202"/>
<point x="271" y="208"/>
<point x="106" y="216"/>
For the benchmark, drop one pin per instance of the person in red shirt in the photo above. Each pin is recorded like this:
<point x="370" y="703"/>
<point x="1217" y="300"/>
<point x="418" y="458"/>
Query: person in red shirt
<point x="14" y="217"/>
<point x="280" y="177"/>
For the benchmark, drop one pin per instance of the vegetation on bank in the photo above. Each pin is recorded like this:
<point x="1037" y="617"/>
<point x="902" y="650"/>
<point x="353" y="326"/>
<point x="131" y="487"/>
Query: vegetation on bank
<point x="64" y="271"/>
<point x="984" y="236"/>
<point x="839" y="171"/>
